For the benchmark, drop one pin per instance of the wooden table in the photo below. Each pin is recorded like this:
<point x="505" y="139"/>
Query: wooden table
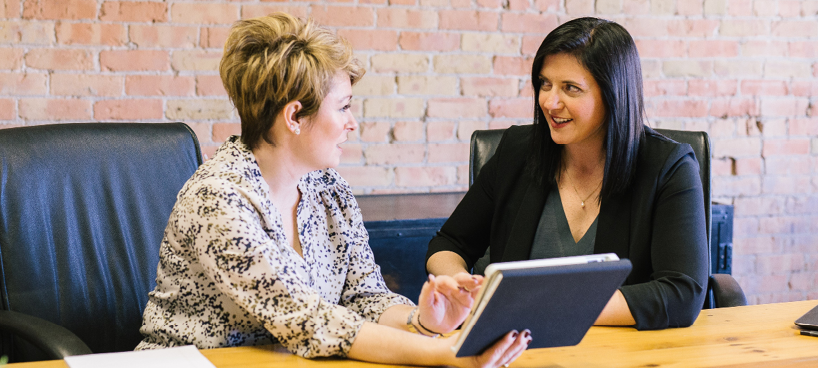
<point x="752" y="336"/>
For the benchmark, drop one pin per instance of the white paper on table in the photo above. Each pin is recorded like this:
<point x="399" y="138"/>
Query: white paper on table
<point x="178" y="357"/>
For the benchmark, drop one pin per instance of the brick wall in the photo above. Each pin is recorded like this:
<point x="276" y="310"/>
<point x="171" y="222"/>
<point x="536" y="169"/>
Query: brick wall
<point x="745" y="71"/>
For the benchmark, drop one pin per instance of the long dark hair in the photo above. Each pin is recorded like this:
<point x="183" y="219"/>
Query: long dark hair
<point x="608" y="52"/>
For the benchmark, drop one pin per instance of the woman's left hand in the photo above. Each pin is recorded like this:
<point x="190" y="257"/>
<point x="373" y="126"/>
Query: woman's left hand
<point x="445" y="301"/>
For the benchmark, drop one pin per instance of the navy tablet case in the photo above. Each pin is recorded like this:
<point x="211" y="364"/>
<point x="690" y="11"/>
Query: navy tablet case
<point x="558" y="304"/>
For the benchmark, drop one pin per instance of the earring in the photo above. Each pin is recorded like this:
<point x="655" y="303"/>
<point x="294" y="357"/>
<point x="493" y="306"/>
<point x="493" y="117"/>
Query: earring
<point x="297" y="131"/>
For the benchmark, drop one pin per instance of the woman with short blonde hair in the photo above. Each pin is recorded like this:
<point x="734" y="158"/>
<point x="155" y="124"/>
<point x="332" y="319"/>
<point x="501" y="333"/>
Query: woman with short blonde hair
<point x="266" y="242"/>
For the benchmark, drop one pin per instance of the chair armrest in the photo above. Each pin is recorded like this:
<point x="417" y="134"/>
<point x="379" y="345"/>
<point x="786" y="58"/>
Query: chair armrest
<point x="54" y="340"/>
<point x="726" y="291"/>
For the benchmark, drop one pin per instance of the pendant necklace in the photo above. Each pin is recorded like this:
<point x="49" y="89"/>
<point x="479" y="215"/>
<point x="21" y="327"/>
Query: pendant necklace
<point x="582" y="201"/>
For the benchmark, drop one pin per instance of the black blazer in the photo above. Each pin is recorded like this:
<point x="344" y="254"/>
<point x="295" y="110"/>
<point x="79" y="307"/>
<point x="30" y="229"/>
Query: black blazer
<point x="658" y="223"/>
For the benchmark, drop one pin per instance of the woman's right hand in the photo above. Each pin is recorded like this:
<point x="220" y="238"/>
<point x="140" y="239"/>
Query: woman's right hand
<point x="503" y="352"/>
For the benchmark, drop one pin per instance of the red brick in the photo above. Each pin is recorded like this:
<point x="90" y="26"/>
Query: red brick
<point x="54" y="109"/>
<point x="214" y="37"/>
<point x="352" y="153"/>
<point x="636" y="7"/>
<point x="721" y="167"/>
<point x="370" y="39"/>
<point x="517" y="5"/>
<point x="402" y="2"/>
<point x="737" y="147"/>
<point x="343" y="16"/>
<point x="141" y="109"/>
<point x="375" y="131"/>
<point x="10" y="9"/>
<point x="86" y="85"/>
<point x="468" y="20"/>
<point x="531" y="44"/>
<point x="787" y="165"/>
<point x="513" y="65"/>
<point x="397" y="153"/>
<point x="661" y="48"/>
<point x="204" y="13"/>
<point x="425" y="176"/>
<point x="677" y="108"/>
<point x="579" y="7"/>
<point x="689" y="7"/>
<point x="647" y="27"/>
<point x="713" y="48"/>
<point x="529" y="22"/>
<point x="407" y="131"/>
<point x="784" y="106"/>
<point x="11" y="58"/>
<point x="489" y="87"/>
<point x="7" y="109"/>
<point x="437" y="131"/>
<point x="448" y="152"/>
<point x="60" y="59"/>
<point x="737" y="186"/>
<point x="795" y="28"/>
<point x="795" y="146"/>
<point x="429" y="41"/>
<point x="209" y="85"/>
<point x="740" y="8"/>
<point x="763" y="88"/>
<point x="406" y="18"/>
<point x="744" y="27"/>
<point x="159" y="85"/>
<point x="29" y="32"/>
<point x="665" y="87"/>
<point x="222" y="131"/>
<point x="253" y="11"/>
<point x="804" y="126"/>
<point x="491" y="4"/>
<point x="134" y="11"/>
<point x="456" y="108"/>
<point x="712" y="88"/>
<point x="460" y="3"/>
<point x="786" y="185"/>
<point x="512" y="108"/>
<point x="756" y="206"/>
<point x="150" y="36"/>
<point x="23" y="84"/>
<point x="692" y="28"/>
<point x="726" y="107"/>
<point x="60" y="9"/>
<point x="752" y="48"/>
<point x="134" y="60"/>
<point x="803" y="49"/>
<point x="545" y="5"/>
<point x="367" y="176"/>
<point x="91" y="34"/>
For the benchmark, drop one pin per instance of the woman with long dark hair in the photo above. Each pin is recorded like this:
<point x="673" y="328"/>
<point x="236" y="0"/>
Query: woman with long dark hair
<point x="589" y="177"/>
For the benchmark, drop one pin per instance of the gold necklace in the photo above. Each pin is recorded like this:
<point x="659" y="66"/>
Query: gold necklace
<point x="575" y="189"/>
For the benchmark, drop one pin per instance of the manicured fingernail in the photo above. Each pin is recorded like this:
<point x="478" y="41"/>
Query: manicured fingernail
<point x="514" y="335"/>
<point x="526" y="333"/>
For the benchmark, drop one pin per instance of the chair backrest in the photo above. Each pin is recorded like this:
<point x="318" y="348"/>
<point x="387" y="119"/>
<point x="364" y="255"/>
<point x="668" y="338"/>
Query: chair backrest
<point x="83" y="208"/>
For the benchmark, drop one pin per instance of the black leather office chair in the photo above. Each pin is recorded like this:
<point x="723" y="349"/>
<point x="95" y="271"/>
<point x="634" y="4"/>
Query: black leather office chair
<point x="722" y="289"/>
<point x="83" y="208"/>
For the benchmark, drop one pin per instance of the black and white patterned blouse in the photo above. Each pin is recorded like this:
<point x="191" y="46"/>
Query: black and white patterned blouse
<point x="228" y="277"/>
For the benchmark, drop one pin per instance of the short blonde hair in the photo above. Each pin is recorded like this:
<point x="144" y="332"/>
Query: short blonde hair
<point x="276" y="59"/>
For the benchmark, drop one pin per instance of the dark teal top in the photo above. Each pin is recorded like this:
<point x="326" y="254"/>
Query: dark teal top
<point x="553" y="237"/>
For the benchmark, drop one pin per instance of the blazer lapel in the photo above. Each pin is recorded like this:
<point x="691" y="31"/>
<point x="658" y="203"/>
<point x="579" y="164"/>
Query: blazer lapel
<point x="525" y="223"/>
<point x="613" y="227"/>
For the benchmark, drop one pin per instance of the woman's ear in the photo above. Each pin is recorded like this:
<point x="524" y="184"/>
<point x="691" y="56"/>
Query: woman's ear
<point x="290" y="113"/>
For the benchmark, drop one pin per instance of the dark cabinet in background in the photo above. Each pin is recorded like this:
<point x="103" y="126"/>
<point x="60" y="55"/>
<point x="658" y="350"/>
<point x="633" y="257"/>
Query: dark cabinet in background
<point x="401" y="225"/>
